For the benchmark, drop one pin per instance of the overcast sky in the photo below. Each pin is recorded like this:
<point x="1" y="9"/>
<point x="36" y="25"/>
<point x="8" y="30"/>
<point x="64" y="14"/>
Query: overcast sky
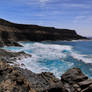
<point x="71" y="14"/>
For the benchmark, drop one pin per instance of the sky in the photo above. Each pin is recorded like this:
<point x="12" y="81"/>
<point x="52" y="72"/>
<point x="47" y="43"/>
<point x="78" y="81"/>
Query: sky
<point x="67" y="14"/>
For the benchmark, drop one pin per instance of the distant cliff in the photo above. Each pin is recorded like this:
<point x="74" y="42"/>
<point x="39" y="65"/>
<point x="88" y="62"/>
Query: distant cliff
<point x="12" y="32"/>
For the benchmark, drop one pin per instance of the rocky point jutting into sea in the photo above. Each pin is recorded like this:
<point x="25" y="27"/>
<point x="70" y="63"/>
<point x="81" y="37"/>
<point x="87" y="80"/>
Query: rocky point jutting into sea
<point x="13" y="78"/>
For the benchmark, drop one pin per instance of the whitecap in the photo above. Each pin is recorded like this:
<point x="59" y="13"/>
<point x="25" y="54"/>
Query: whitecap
<point x="82" y="57"/>
<point x="42" y="51"/>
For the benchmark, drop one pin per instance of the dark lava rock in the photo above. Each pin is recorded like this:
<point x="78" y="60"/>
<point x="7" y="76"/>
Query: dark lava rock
<point x="10" y="33"/>
<point x="14" y="79"/>
<point x="75" y="81"/>
<point x="44" y="82"/>
<point x="9" y="43"/>
<point x="73" y="75"/>
<point x="85" y="83"/>
<point x="11" y="57"/>
<point x="11" y="80"/>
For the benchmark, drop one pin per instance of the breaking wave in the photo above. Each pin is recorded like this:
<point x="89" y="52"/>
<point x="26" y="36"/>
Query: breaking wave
<point x="53" y="58"/>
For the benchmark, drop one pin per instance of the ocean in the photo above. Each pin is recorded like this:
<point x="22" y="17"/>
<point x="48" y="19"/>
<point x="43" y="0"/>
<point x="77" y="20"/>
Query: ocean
<point x="56" y="57"/>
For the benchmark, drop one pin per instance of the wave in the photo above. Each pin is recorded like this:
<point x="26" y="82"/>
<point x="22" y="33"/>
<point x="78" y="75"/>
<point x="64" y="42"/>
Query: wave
<point x="48" y="51"/>
<point x="82" y="57"/>
<point x="49" y="57"/>
<point x="53" y="51"/>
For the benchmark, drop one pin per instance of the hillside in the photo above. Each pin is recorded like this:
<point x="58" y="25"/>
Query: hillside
<point x="12" y="32"/>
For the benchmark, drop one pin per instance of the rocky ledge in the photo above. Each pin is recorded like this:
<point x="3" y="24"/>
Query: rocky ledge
<point x="12" y="57"/>
<point x="16" y="79"/>
<point x="10" y="33"/>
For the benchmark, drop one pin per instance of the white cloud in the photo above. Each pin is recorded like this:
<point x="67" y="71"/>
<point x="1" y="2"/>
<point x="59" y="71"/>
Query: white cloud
<point x="43" y="1"/>
<point x="83" y="24"/>
<point x="73" y="5"/>
<point x="32" y="1"/>
<point x="83" y="20"/>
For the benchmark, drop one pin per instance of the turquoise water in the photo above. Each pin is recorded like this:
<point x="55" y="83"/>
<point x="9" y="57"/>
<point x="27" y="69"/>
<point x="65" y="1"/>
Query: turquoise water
<point x="57" y="57"/>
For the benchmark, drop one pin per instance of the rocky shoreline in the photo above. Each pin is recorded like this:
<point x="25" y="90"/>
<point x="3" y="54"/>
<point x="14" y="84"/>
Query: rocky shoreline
<point x="16" y="79"/>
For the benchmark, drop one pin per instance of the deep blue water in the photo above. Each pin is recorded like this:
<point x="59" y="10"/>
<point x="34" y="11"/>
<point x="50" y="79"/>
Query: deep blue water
<point x="57" y="57"/>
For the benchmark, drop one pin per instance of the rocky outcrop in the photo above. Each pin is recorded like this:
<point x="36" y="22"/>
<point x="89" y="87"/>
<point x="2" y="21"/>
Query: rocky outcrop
<point x="12" y="32"/>
<point x="75" y="81"/>
<point x="11" y="80"/>
<point x="12" y="57"/>
<point x="39" y="82"/>
<point x="9" y="43"/>
<point x="16" y="79"/>
<point x="43" y="82"/>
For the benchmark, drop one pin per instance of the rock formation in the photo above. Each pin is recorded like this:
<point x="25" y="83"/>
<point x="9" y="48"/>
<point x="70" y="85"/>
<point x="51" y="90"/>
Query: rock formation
<point x="16" y="79"/>
<point x="12" y="32"/>
<point x="75" y="81"/>
<point x="11" y="80"/>
<point x="11" y="57"/>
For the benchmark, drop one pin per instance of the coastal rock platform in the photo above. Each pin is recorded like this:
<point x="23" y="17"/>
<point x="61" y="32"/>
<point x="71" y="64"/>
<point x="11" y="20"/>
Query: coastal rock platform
<point x="16" y="79"/>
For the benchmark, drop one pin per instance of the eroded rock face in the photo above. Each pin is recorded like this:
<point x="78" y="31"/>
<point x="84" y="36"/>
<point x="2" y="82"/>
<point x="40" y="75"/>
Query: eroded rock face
<point x="75" y="81"/>
<point x="11" y="80"/>
<point x="16" y="79"/>
<point x="10" y="33"/>
<point x="43" y="82"/>
<point x="73" y="75"/>
<point x="11" y="57"/>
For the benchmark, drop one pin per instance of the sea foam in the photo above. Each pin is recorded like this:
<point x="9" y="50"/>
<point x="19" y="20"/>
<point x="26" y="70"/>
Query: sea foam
<point x="48" y="57"/>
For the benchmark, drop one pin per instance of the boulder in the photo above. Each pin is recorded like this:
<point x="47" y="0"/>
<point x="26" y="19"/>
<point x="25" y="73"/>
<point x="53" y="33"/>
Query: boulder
<point x="75" y="81"/>
<point x="85" y="83"/>
<point x="74" y="75"/>
<point x="43" y="82"/>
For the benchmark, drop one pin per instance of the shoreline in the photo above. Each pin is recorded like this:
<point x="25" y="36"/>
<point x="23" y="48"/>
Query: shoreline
<point x="11" y="33"/>
<point x="14" y="78"/>
<point x="79" y="57"/>
<point x="55" y="41"/>
<point x="73" y="79"/>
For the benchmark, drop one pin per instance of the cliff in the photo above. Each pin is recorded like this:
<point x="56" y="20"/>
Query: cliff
<point x="12" y="32"/>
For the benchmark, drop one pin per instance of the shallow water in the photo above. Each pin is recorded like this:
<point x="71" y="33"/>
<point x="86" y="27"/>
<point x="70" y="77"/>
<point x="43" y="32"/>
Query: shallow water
<point x="57" y="57"/>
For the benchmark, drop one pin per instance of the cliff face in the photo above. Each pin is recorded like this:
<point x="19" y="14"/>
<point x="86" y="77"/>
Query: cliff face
<point x="11" y="32"/>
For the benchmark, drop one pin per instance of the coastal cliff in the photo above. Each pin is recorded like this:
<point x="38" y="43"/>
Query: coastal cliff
<point x="10" y="33"/>
<point x="14" y="78"/>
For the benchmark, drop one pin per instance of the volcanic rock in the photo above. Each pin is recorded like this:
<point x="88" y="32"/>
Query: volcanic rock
<point x="11" y="80"/>
<point x="10" y="33"/>
<point x="75" y="81"/>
